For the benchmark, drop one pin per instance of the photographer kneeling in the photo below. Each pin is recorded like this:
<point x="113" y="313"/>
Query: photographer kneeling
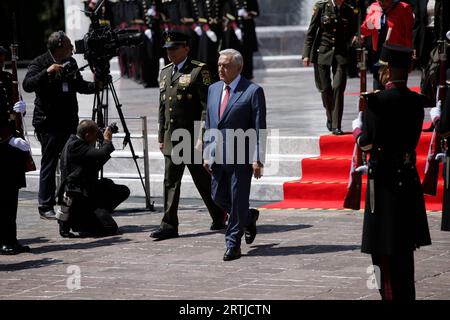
<point x="86" y="201"/>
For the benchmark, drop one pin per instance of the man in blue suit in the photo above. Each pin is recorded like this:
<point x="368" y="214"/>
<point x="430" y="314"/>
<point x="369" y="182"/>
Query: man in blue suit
<point x="234" y="147"/>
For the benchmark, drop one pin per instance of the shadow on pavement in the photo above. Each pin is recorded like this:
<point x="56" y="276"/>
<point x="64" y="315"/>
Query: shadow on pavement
<point x="272" y="250"/>
<point x="106" y="241"/>
<point x="31" y="264"/>
<point x="275" y="228"/>
<point x="137" y="229"/>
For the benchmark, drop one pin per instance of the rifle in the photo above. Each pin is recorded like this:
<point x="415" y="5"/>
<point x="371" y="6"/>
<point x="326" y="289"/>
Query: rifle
<point x="353" y="197"/>
<point x="29" y="164"/>
<point x="430" y="178"/>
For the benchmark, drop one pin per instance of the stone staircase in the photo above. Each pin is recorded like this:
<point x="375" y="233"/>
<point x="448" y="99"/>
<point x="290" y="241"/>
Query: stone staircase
<point x="284" y="154"/>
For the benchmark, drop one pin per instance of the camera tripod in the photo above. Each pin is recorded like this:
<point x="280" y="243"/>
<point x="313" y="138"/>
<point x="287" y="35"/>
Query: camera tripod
<point x="100" y="116"/>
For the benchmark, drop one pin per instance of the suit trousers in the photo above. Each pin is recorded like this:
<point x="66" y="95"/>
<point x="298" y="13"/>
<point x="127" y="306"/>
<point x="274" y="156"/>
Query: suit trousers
<point x="231" y="191"/>
<point x="51" y="146"/>
<point x="173" y="173"/>
<point x="397" y="275"/>
<point x="332" y="91"/>
<point x="8" y="215"/>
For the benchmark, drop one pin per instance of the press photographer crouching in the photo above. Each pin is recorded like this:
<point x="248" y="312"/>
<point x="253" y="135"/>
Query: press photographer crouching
<point x="87" y="202"/>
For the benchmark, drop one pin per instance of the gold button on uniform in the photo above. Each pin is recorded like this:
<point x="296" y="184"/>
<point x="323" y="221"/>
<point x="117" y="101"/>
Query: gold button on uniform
<point x="170" y="109"/>
<point x="171" y="120"/>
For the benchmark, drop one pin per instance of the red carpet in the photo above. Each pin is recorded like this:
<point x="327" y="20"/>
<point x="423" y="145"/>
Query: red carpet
<point x="324" y="179"/>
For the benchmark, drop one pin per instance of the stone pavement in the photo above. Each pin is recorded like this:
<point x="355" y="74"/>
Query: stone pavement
<point x="296" y="255"/>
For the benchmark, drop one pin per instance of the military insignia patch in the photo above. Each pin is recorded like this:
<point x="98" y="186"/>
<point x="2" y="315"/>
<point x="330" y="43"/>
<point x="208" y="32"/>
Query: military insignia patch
<point x="206" y="77"/>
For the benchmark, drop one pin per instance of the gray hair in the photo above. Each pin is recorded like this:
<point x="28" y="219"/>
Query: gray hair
<point x="55" y="40"/>
<point x="236" y="56"/>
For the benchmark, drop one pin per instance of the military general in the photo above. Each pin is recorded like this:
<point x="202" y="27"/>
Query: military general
<point x="327" y="45"/>
<point x="183" y="92"/>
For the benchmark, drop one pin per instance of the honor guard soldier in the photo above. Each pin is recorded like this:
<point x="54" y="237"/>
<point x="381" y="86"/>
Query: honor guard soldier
<point x="183" y="93"/>
<point x="209" y="28"/>
<point x="327" y="46"/>
<point x="387" y="21"/>
<point x="395" y="221"/>
<point x="11" y="158"/>
<point x="240" y="30"/>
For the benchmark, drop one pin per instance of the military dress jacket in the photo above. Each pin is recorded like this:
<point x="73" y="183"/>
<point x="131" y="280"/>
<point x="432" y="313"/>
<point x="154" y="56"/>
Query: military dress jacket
<point x="11" y="159"/>
<point x="183" y="98"/>
<point x="330" y="33"/>
<point x="394" y="218"/>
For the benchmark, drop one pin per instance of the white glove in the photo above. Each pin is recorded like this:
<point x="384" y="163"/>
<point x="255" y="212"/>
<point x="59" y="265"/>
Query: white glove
<point x="436" y="111"/>
<point x="242" y="13"/>
<point x="20" y="107"/>
<point x="370" y="25"/>
<point x="211" y="35"/>
<point x="357" y="123"/>
<point x="151" y="12"/>
<point x="238" y="33"/>
<point x="362" y="169"/>
<point x="440" y="157"/>
<point x="198" y="30"/>
<point x="19" y="143"/>
<point x="148" y="34"/>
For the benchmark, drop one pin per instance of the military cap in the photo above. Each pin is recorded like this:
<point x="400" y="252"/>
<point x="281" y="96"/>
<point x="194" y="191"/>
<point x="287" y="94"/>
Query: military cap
<point x="3" y="50"/>
<point x="395" y="56"/>
<point x="174" y="39"/>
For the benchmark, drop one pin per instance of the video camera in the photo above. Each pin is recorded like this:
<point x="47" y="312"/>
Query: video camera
<point x="102" y="43"/>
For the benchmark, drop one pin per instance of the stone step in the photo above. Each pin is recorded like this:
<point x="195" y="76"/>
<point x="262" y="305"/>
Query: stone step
<point x="282" y="145"/>
<point x="121" y="162"/>
<point x="266" y="188"/>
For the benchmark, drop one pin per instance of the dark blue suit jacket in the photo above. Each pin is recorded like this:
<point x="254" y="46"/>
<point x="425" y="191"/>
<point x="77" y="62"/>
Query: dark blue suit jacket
<point x="246" y="110"/>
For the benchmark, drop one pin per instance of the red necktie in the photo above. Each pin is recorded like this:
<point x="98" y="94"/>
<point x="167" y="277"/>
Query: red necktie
<point x="224" y="101"/>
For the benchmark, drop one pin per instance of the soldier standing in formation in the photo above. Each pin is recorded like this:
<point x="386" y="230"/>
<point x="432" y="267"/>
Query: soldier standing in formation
<point x="12" y="169"/>
<point x="327" y="44"/>
<point x="183" y="92"/>
<point x="395" y="221"/>
<point x="387" y="21"/>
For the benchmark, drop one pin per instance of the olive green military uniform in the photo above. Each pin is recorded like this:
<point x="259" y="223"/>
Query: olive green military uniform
<point x="327" y="44"/>
<point x="183" y="97"/>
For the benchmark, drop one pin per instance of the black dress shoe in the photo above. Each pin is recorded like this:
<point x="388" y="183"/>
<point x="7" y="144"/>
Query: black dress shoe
<point x="250" y="230"/>
<point x="47" y="215"/>
<point x="338" y="132"/>
<point x="217" y="226"/>
<point x="329" y="125"/>
<point x="64" y="230"/>
<point x="163" y="234"/>
<point x="232" y="254"/>
<point x="17" y="248"/>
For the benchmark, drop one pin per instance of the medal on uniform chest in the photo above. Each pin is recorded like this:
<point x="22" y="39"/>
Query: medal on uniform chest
<point x="185" y="80"/>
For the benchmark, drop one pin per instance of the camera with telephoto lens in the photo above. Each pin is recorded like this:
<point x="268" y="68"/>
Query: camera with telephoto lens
<point x="113" y="127"/>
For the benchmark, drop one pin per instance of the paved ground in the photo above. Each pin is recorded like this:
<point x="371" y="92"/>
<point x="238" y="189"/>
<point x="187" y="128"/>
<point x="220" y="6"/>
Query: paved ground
<point x="296" y="255"/>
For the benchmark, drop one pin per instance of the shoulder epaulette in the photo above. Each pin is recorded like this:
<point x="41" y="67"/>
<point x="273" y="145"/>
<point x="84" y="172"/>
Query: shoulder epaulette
<point x="167" y="65"/>
<point x="198" y="63"/>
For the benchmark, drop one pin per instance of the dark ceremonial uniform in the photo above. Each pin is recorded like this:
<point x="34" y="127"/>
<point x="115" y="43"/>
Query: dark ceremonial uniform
<point x="395" y="221"/>
<point x="209" y="17"/>
<point x="183" y="97"/>
<point x="152" y="47"/>
<point x="11" y="166"/>
<point x="327" y="44"/>
<point x="178" y="15"/>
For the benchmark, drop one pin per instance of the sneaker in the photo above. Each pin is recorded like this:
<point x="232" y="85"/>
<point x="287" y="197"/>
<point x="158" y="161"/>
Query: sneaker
<point x="48" y="215"/>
